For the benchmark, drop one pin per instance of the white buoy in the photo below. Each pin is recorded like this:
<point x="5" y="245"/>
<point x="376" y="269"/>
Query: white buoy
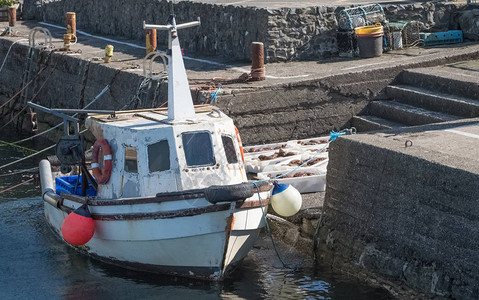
<point x="286" y="200"/>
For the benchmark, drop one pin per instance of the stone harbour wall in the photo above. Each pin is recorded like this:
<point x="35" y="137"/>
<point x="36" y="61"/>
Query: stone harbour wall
<point x="301" y="34"/>
<point x="66" y="82"/>
<point x="401" y="218"/>
<point x="433" y="16"/>
<point x="469" y="22"/>
<point x="227" y="31"/>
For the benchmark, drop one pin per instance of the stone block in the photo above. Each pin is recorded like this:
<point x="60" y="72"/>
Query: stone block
<point x="469" y="23"/>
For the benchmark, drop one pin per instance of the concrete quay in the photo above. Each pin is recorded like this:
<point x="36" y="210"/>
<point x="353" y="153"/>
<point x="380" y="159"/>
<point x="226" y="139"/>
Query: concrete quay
<point x="401" y="207"/>
<point x="425" y="95"/>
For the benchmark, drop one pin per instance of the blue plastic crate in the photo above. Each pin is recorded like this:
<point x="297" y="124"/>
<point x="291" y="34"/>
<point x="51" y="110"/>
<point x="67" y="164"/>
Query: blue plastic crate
<point x="442" y="38"/>
<point x="66" y="184"/>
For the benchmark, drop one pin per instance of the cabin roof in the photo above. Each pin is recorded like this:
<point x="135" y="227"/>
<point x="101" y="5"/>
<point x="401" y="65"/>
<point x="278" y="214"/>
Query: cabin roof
<point x="156" y="118"/>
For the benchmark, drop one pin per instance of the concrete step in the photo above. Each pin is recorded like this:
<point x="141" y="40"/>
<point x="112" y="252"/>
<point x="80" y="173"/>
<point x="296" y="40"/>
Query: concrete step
<point x="442" y="79"/>
<point x="364" y="123"/>
<point x="407" y="114"/>
<point x="431" y="100"/>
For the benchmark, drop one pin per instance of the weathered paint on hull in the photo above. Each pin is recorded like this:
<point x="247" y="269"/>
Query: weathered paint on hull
<point x="196" y="249"/>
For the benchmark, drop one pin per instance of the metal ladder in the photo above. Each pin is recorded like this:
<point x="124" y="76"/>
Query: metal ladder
<point x="31" y="60"/>
<point x="27" y="75"/>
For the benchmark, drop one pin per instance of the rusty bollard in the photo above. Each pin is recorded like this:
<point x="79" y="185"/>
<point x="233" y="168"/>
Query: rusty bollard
<point x="151" y="42"/>
<point x="71" y="23"/>
<point x="257" y="61"/>
<point x="12" y="16"/>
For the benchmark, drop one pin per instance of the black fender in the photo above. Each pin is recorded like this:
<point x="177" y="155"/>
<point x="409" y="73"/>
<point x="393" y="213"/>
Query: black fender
<point x="229" y="193"/>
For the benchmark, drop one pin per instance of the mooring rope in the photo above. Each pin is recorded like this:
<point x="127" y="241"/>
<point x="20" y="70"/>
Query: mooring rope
<point x="10" y="48"/>
<point x="105" y="89"/>
<point x="18" y="172"/>
<point x="268" y="229"/>
<point x="21" y="183"/>
<point x="34" y="154"/>
<point x="28" y="83"/>
<point x="33" y="97"/>
<point x="214" y="95"/>
<point x="17" y="146"/>
<point x="27" y="157"/>
<point x="21" y="90"/>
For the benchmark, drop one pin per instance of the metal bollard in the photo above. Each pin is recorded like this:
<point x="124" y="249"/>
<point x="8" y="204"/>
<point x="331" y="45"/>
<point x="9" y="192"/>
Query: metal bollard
<point x="108" y="53"/>
<point x="67" y="41"/>
<point x="151" y="41"/>
<point x="71" y="23"/>
<point x="257" y="61"/>
<point x="12" y="16"/>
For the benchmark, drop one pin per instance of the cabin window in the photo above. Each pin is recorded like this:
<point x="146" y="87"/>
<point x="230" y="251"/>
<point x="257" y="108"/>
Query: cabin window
<point x="198" y="149"/>
<point x="159" y="156"/>
<point x="230" y="150"/>
<point x="131" y="160"/>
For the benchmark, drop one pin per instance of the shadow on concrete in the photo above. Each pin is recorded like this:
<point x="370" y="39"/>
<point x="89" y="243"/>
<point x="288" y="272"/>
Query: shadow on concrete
<point x="427" y="127"/>
<point x="94" y="44"/>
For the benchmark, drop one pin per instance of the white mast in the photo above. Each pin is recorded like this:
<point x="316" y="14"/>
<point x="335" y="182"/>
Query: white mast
<point x="180" y="103"/>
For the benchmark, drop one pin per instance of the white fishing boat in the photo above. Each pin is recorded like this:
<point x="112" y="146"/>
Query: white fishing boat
<point x="169" y="192"/>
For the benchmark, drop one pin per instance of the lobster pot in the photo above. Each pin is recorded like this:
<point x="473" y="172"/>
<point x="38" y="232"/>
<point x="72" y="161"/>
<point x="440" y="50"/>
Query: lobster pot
<point x="397" y="40"/>
<point x="370" y="40"/>
<point x="347" y="44"/>
<point x="402" y="34"/>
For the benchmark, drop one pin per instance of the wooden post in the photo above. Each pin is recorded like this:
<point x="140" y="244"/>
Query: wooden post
<point x="151" y="43"/>
<point x="257" y="61"/>
<point x="71" y="23"/>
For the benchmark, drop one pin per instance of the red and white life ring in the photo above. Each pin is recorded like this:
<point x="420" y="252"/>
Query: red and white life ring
<point x="102" y="176"/>
<point x="238" y="137"/>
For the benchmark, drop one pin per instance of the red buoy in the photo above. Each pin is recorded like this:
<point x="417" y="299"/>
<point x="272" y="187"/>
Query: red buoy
<point x="78" y="227"/>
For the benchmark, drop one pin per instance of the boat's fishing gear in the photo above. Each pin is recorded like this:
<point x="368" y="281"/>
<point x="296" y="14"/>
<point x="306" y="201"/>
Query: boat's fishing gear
<point x="70" y="148"/>
<point x="332" y="137"/>
<point x="289" y="199"/>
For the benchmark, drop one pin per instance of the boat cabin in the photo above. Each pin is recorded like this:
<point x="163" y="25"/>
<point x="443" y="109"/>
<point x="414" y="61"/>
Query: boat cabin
<point x="151" y="154"/>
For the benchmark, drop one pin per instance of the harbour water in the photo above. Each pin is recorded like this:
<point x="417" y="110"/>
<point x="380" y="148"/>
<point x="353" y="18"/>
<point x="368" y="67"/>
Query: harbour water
<point x="36" y="264"/>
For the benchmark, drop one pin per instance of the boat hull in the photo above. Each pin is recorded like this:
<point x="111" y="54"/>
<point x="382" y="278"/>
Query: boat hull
<point x="199" y="245"/>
